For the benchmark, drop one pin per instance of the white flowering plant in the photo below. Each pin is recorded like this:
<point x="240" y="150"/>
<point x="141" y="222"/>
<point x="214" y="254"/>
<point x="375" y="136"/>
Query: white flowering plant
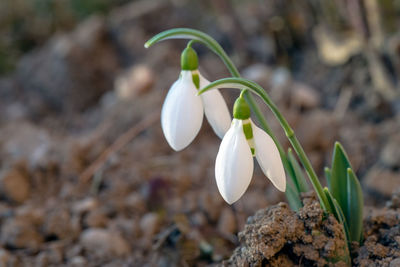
<point x="192" y="95"/>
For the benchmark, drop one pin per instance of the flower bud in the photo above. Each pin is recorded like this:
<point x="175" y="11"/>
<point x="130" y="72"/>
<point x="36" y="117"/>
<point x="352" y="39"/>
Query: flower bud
<point x="189" y="59"/>
<point x="241" y="109"/>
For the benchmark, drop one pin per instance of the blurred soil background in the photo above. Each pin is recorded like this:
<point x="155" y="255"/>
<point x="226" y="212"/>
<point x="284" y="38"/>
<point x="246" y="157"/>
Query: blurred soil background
<point x="86" y="176"/>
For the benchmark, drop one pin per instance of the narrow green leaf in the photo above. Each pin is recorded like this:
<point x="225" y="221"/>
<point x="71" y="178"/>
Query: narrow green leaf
<point x="301" y="183"/>
<point x="293" y="198"/>
<point x="340" y="163"/>
<point x="355" y="207"/>
<point x="332" y="203"/>
<point x="291" y="174"/>
<point x="342" y="220"/>
<point x="328" y="175"/>
<point x="337" y="212"/>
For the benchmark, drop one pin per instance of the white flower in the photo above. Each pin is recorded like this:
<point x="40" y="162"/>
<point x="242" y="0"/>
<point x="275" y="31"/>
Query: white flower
<point x="182" y="112"/>
<point x="234" y="163"/>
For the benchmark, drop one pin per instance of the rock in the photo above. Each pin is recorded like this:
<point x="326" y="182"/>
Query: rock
<point x="85" y="205"/>
<point x="303" y="96"/>
<point x="73" y="251"/>
<point x="390" y="155"/>
<point x="198" y="219"/>
<point x="14" y="184"/>
<point x="395" y="263"/>
<point x="226" y="222"/>
<point x="53" y="256"/>
<point x="394" y="202"/>
<point x="60" y="223"/>
<point x="96" y="219"/>
<point x="149" y="224"/>
<point x="136" y="202"/>
<point x="31" y="213"/>
<point x="78" y="261"/>
<point x="135" y="81"/>
<point x="23" y="140"/>
<point x="71" y="71"/>
<point x="7" y="259"/>
<point x="18" y="233"/>
<point x="280" y="78"/>
<point x="382" y="181"/>
<point x="103" y="243"/>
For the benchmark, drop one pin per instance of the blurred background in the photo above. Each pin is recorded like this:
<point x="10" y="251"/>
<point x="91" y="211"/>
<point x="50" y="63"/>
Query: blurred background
<point x="86" y="176"/>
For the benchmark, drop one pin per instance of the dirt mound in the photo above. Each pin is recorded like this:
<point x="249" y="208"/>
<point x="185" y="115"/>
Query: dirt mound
<point x="277" y="236"/>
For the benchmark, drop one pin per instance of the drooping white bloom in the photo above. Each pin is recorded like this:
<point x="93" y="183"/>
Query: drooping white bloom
<point x="234" y="163"/>
<point x="182" y="112"/>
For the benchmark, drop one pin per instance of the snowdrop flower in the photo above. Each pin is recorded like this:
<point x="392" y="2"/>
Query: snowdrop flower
<point x="182" y="112"/>
<point x="234" y="163"/>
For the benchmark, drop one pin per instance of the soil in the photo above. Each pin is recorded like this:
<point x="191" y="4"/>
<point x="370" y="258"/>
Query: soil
<point x="382" y="236"/>
<point x="277" y="236"/>
<point x="87" y="178"/>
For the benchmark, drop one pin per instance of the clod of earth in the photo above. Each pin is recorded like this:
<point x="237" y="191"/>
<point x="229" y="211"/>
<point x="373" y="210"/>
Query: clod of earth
<point x="277" y="236"/>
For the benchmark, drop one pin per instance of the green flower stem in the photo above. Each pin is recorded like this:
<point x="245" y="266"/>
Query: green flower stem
<point x="207" y="40"/>
<point x="241" y="83"/>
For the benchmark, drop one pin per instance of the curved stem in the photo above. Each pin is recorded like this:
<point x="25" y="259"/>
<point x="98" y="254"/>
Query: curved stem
<point x="241" y="83"/>
<point x="201" y="37"/>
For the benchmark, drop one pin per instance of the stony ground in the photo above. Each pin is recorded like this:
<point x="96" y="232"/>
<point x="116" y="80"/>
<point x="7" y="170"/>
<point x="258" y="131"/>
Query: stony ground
<point x="87" y="178"/>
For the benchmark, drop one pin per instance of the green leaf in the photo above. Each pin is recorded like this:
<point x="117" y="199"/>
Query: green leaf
<point x="293" y="198"/>
<point x="331" y="203"/>
<point x="338" y="213"/>
<point x="300" y="179"/>
<point x="340" y="164"/>
<point x="328" y="175"/>
<point x="355" y="207"/>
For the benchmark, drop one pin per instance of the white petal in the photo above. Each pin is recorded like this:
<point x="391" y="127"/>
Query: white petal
<point x="216" y="110"/>
<point x="234" y="164"/>
<point x="268" y="157"/>
<point x="182" y="112"/>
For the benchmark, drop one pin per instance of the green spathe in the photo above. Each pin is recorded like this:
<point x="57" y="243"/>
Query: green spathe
<point x="241" y="109"/>
<point x="189" y="59"/>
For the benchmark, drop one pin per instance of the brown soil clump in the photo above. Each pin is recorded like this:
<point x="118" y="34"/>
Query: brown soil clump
<point x="278" y="236"/>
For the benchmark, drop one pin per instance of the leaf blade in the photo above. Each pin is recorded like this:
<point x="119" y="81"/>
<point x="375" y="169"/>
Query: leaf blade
<point x="293" y="198"/>
<point x="340" y="164"/>
<point x="328" y="175"/>
<point x="301" y="181"/>
<point x="338" y="213"/>
<point x="355" y="207"/>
